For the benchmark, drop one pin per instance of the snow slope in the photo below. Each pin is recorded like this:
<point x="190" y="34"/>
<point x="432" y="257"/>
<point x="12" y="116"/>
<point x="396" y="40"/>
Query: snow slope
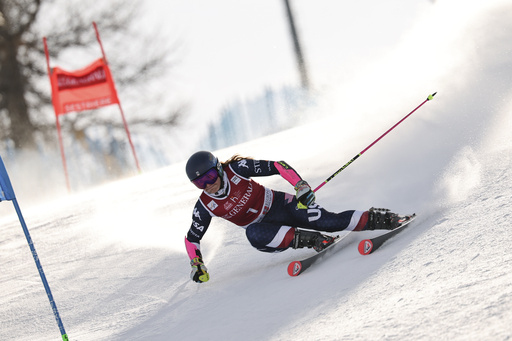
<point x="116" y="264"/>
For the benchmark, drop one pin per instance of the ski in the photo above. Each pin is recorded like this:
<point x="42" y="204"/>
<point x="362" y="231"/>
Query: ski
<point x="297" y="267"/>
<point x="367" y="246"/>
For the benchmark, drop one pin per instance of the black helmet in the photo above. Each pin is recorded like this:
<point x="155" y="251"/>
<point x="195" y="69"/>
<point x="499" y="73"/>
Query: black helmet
<point x="201" y="162"/>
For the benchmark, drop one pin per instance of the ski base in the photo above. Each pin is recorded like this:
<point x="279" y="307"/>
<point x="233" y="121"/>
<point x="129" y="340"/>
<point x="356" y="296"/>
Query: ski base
<point x="368" y="246"/>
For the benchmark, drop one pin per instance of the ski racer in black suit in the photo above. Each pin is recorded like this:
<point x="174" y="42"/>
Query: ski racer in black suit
<point x="274" y="221"/>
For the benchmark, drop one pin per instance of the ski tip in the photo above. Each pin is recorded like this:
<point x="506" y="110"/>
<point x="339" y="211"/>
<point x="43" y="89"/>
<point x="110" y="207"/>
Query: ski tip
<point x="365" y="247"/>
<point x="294" y="268"/>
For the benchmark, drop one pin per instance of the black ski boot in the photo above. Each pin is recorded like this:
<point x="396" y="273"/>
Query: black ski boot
<point x="311" y="239"/>
<point x="381" y="219"/>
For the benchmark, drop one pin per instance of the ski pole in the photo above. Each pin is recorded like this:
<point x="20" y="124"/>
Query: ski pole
<point x="429" y="98"/>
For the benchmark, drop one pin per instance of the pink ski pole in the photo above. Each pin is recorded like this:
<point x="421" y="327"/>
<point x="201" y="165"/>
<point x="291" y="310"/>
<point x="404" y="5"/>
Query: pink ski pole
<point x="429" y="98"/>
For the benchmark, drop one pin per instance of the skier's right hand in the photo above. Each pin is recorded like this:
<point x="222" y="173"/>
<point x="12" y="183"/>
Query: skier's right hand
<point x="304" y="195"/>
<point x="199" y="272"/>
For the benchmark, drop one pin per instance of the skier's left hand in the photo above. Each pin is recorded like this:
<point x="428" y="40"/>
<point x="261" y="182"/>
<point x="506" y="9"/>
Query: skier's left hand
<point x="304" y="195"/>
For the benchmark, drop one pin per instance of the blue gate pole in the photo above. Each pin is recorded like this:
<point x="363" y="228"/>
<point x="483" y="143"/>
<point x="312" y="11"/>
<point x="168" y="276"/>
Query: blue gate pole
<point x="7" y="193"/>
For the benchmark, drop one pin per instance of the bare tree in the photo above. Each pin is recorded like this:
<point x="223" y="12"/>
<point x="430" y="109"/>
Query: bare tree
<point x="25" y="100"/>
<point x="15" y="21"/>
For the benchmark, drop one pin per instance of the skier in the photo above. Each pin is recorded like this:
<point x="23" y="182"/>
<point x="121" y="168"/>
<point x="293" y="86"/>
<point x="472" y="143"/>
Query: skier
<point x="274" y="221"/>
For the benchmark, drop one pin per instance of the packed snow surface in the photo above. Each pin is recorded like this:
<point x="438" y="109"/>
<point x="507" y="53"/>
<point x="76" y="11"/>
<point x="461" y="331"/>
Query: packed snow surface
<point x="115" y="259"/>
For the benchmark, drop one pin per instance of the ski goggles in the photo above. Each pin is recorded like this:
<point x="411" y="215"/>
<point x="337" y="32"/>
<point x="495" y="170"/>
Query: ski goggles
<point x="207" y="178"/>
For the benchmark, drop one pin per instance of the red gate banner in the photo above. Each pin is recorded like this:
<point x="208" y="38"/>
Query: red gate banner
<point x="85" y="89"/>
<point x="89" y="88"/>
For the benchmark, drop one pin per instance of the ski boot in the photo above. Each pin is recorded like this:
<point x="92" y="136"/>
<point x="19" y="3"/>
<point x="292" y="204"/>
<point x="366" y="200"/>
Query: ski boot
<point x="382" y="219"/>
<point x="312" y="239"/>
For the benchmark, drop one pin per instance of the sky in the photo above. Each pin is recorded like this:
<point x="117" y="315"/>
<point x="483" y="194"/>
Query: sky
<point x="231" y="50"/>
